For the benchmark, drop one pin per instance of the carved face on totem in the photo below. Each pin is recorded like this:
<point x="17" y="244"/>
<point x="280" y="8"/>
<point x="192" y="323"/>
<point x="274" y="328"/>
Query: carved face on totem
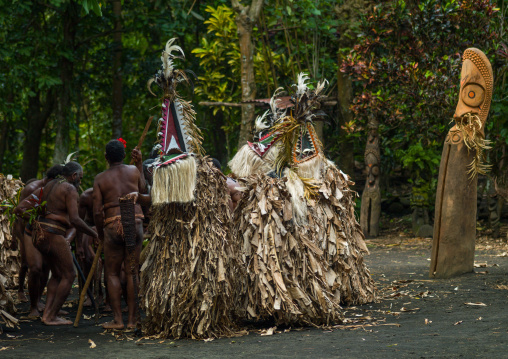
<point x="372" y="167"/>
<point x="372" y="160"/>
<point x="476" y="83"/>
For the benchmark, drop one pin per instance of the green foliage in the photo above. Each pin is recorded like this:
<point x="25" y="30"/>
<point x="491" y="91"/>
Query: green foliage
<point x="406" y="67"/>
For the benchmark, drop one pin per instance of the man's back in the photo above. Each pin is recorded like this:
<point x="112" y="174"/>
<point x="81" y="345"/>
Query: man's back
<point x="115" y="182"/>
<point x="56" y="194"/>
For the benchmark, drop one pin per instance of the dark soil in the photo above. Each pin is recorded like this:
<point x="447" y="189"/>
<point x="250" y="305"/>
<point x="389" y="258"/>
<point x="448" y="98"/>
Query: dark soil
<point x="415" y="317"/>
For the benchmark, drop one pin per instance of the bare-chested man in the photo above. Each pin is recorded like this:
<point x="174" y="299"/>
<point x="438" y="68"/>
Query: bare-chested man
<point x="52" y="239"/>
<point x="31" y="258"/>
<point x="117" y="181"/>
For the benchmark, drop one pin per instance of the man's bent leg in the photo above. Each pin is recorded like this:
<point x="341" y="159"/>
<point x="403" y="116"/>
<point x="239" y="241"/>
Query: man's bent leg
<point x="59" y="256"/>
<point x="114" y="256"/>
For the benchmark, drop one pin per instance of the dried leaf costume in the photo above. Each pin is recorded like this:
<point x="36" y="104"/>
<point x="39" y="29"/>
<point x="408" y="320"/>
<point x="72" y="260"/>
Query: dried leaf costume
<point x="188" y="276"/>
<point x="301" y="243"/>
<point x="10" y="262"/>
<point x="462" y="160"/>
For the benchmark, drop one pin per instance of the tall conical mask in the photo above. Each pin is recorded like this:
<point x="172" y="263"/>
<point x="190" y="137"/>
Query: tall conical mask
<point x="179" y="139"/>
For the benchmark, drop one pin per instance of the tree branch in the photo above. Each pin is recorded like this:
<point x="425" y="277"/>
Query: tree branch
<point x="237" y="6"/>
<point x="255" y="9"/>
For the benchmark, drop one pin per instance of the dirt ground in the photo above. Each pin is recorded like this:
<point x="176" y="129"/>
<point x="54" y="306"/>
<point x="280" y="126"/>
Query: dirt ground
<point x="415" y="317"/>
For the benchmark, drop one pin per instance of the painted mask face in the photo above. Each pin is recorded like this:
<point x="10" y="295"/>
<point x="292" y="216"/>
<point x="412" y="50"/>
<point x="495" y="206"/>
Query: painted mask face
<point x="172" y="130"/>
<point x="306" y="147"/>
<point x="475" y="85"/>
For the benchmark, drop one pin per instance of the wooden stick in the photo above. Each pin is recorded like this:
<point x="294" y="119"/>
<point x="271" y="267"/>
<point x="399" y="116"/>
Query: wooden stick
<point x="142" y="138"/>
<point x="85" y="287"/>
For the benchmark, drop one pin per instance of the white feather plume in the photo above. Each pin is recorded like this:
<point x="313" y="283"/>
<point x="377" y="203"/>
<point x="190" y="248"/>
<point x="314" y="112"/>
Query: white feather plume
<point x="260" y="122"/>
<point x="321" y="85"/>
<point x="69" y="158"/>
<point x="301" y="86"/>
<point x="274" y="100"/>
<point x="167" y="57"/>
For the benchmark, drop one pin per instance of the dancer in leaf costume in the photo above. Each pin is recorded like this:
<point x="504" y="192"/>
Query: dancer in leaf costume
<point x="189" y="273"/>
<point x="301" y="243"/>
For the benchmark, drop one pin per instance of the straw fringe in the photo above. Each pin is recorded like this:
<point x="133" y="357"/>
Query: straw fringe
<point x="246" y="162"/>
<point x="175" y="182"/>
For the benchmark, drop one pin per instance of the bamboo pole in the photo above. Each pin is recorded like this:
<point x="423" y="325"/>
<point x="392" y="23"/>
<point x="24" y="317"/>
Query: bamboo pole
<point x="143" y="135"/>
<point x="87" y="284"/>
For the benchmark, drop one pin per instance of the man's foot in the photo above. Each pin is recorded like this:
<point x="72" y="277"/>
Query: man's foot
<point x="57" y="321"/>
<point x="22" y="297"/>
<point x="113" y="325"/>
<point x="34" y="313"/>
<point x="131" y="326"/>
<point x="63" y="312"/>
<point x="41" y="306"/>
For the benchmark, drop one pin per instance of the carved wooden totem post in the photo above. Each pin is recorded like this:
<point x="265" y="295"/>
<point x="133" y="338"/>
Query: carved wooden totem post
<point x="371" y="196"/>
<point x="461" y="162"/>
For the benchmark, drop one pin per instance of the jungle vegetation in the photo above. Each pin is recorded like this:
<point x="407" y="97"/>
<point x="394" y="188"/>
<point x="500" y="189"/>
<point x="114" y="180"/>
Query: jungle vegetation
<point x="73" y="75"/>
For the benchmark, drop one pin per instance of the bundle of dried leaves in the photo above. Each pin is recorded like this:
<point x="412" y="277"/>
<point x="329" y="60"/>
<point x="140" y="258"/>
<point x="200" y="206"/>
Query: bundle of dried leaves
<point x="190" y="274"/>
<point x="301" y="273"/>
<point x="10" y="259"/>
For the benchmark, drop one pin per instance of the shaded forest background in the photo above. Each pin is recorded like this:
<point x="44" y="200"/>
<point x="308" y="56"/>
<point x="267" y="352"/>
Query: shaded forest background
<point x="73" y="75"/>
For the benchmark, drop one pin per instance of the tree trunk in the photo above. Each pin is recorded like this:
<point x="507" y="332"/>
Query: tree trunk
<point x="37" y="118"/>
<point x="117" y="101"/>
<point x="345" y="98"/>
<point x="63" y="113"/>
<point x="246" y="17"/>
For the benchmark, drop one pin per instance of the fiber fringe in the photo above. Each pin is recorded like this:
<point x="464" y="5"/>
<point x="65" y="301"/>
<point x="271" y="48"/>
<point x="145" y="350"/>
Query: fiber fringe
<point x="175" y="182"/>
<point x="246" y="162"/>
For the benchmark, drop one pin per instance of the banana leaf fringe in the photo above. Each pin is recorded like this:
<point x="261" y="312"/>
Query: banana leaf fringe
<point x="301" y="273"/>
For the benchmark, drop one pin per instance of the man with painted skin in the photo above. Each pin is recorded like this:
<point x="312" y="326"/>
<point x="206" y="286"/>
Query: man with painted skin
<point x="461" y="162"/>
<point x="117" y="181"/>
<point x="31" y="258"/>
<point x="52" y="234"/>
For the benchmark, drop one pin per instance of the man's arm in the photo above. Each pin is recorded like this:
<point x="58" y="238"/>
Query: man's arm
<point x="142" y="199"/>
<point x="71" y="202"/>
<point x="98" y="214"/>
